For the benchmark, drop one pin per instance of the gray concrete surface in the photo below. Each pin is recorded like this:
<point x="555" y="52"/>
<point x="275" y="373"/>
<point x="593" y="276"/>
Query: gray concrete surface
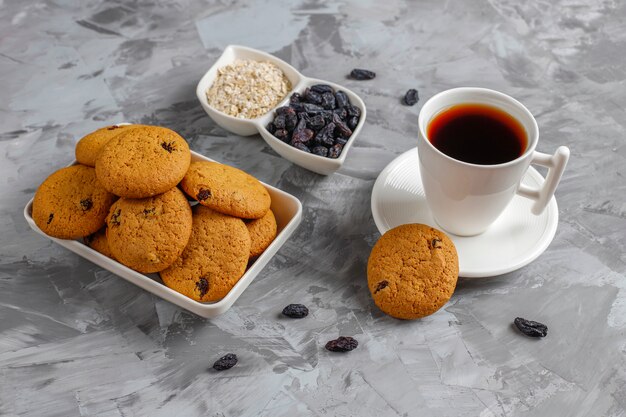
<point x="77" y="340"/>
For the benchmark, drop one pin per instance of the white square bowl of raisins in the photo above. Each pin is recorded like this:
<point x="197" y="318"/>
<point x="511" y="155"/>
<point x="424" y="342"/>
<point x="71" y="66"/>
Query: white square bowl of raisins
<point x="307" y="140"/>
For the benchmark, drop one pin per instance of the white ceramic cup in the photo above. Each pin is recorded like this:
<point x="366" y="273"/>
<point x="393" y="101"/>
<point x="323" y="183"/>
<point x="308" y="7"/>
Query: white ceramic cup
<point x="466" y="198"/>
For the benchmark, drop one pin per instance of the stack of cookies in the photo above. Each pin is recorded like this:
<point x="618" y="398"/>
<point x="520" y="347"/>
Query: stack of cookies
<point x="124" y="197"/>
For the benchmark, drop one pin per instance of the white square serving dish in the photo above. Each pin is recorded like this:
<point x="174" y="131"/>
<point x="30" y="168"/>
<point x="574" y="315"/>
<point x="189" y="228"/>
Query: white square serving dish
<point x="247" y="127"/>
<point x="287" y="210"/>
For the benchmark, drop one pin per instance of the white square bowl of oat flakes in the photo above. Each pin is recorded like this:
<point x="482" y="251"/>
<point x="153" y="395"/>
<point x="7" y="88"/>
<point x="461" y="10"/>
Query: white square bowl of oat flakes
<point x="312" y="123"/>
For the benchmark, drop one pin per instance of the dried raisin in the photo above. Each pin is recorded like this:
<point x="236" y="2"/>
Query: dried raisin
<point x="322" y="88"/>
<point x="319" y="120"/>
<point x="342" y="344"/>
<point x="311" y="108"/>
<point x="295" y="98"/>
<point x="362" y="74"/>
<point x="335" y="151"/>
<point x="282" y="134"/>
<point x="225" y="362"/>
<point x="50" y="217"/>
<point x="115" y="218"/>
<point x="328" y="101"/>
<point x="285" y="110"/>
<point x="411" y="97"/>
<point x="326" y="135"/>
<point x="291" y="120"/>
<point x="203" y="286"/>
<point x="203" y="194"/>
<point x="86" y="204"/>
<point x="279" y="121"/>
<point x="304" y="135"/>
<point x="313" y="97"/>
<point x="168" y="146"/>
<point x="353" y="122"/>
<point x="341" y="113"/>
<point x="296" y="311"/>
<point x="381" y="285"/>
<point x="353" y="111"/>
<point x="316" y="122"/>
<point x="531" y="328"/>
<point x="341" y="129"/>
<point x="301" y="146"/>
<point x="341" y="99"/>
<point x="320" y="150"/>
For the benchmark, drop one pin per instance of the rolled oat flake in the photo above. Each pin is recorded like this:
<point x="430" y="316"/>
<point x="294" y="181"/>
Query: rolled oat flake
<point x="248" y="89"/>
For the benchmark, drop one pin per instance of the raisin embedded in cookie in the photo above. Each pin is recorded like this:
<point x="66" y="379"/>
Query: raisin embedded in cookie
<point x="412" y="271"/>
<point x="262" y="233"/>
<point x="149" y="234"/>
<point x="71" y="203"/>
<point x="88" y="148"/>
<point x="214" y="259"/>
<point x="143" y="162"/>
<point x="226" y="189"/>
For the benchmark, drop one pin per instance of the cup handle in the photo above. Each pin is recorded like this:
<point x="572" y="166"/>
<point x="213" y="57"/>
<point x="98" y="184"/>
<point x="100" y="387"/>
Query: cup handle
<point x="556" y="165"/>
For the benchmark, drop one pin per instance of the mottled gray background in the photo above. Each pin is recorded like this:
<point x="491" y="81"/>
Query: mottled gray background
<point x="77" y="340"/>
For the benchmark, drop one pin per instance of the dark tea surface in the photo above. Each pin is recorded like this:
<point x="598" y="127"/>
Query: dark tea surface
<point x="478" y="134"/>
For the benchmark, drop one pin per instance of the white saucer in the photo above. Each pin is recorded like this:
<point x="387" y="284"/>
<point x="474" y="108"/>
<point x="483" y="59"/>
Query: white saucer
<point x="515" y="239"/>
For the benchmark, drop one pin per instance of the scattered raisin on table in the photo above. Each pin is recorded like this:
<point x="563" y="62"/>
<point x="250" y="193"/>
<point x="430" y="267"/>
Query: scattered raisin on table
<point x="225" y="362"/>
<point x="342" y="344"/>
<point x="296" y="311"/>
<point x="531" y="328"/>
<point x="362" y="74"/>
<point x="411" y="97"/>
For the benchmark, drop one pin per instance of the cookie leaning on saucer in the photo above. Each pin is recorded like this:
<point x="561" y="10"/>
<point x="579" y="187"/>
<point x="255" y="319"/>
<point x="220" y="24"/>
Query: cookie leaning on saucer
<point x="88" y="148"/>
<point x="412" y="271"/>
<point x="71" y="203"/>
<point x="262" y="233"/>
<point x="214" y="259"/>
<point x="143" y="162"/>
<point x="149" y="234"/>
<point x="226" y="189"/>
